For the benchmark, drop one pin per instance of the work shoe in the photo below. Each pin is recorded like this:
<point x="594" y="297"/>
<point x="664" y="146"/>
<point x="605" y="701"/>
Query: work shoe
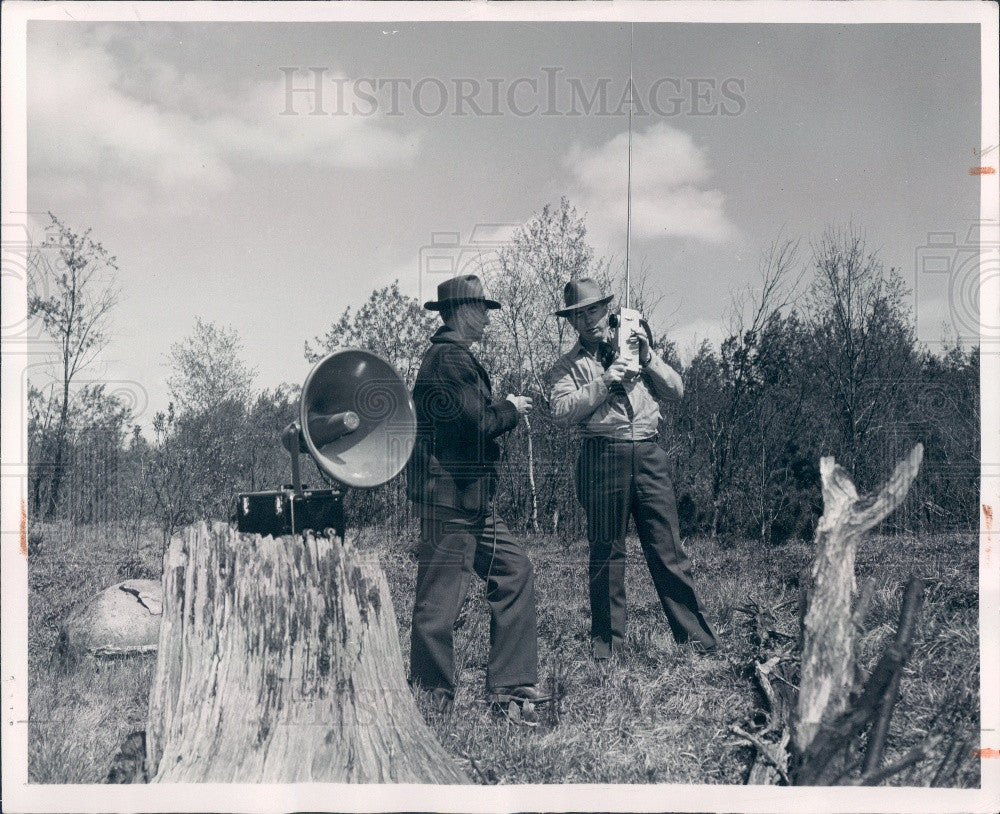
<point x="601" y="650"/>
<point x="521" y="693"/>
<point x="701" y="649"/>
<point x="517" y="704"/>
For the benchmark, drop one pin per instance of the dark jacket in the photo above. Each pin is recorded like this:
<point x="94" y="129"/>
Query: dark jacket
<point x="455" y="459"/>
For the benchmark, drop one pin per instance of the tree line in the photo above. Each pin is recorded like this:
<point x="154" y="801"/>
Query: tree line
<point x="820" y="358"/>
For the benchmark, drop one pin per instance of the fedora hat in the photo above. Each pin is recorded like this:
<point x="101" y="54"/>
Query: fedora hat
<point x="581" y="294"/>
<point x="467" y="288"/>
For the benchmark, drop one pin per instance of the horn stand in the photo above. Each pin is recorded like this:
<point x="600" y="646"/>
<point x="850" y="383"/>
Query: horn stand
<point x="323" y="429"/>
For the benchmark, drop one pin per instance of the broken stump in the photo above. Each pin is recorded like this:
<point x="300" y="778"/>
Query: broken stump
<point x="279" y="662"/>
<point x="828" y="635"/>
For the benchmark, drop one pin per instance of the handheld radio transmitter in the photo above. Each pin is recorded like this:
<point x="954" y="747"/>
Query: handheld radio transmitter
<point x="624" y="322"/>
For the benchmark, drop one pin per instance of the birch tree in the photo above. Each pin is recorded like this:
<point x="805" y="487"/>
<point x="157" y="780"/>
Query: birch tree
<point x="72" y="288"/>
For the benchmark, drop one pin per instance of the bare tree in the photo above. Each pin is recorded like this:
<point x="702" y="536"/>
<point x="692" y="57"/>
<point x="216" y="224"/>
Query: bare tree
<point x="71" y="289"/>
<point x="544" y="254"/>
<point x="528" y="277"/>
<point x="520" y="319"/>
<point x="207" y="369"/>
<point x="202" y="454"/>
<point x="864" y="340"/>
<point x="750" y="313"/>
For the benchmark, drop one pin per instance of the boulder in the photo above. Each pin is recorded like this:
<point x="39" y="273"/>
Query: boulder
<point x="121" y="620"/>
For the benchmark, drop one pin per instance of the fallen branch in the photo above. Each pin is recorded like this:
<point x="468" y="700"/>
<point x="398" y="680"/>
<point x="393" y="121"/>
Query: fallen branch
<point x="912" y="757"/>
<point x="775" y="754"/>
<point x="955" y="757"/>
<point x="781" y="703"/>
<point x="486" y="779"/>
<point x="904" y="639"/>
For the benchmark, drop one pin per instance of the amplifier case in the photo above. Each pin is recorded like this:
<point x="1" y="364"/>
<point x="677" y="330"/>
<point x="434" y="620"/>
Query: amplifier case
<point x="283" y="512"/>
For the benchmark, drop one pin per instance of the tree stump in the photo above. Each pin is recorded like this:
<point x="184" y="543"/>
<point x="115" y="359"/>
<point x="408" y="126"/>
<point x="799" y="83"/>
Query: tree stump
<point x="814" y="724"/>
<point x="828" y="639"/>
<point x="279" y="662"/>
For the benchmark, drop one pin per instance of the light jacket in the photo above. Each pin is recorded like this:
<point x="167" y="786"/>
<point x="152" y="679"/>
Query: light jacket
<point x="578" y="395"/>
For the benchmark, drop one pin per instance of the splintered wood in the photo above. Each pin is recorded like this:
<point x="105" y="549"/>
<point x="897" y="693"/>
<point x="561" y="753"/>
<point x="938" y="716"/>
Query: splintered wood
<point x="279" y="662"/>
<point x="828" y="640"/>
<point x="811" y="727"/>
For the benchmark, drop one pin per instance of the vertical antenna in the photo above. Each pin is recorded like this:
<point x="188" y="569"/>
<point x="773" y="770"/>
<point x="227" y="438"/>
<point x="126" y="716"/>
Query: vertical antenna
<point x="628" y="204"/>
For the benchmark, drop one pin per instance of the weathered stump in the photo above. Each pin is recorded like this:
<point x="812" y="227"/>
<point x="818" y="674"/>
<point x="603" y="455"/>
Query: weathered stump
<point x="828" y="637"/>
<point x="811" y="724"/>
<point x="279" y="662"/>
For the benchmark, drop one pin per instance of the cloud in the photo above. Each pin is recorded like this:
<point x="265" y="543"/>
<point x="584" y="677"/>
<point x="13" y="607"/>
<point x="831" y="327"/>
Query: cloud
<point x="141" y="129"/>
<point x="671" y="194"/>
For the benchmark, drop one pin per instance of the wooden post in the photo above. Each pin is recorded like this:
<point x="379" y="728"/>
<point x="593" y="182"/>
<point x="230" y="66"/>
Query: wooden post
<point x="828" y="640"/>
<point x="279" y="662"/>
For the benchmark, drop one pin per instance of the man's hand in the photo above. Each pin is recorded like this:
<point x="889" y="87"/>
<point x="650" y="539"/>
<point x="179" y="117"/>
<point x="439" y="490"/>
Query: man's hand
<point x="521" y="403"/>
<point x="615" y="373"/>
<point x="638" y="340"/>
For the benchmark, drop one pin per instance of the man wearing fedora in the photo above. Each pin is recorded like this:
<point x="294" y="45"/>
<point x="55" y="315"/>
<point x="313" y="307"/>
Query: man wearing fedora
<point x="622" y="471"/>
<point x="452" y="477"/>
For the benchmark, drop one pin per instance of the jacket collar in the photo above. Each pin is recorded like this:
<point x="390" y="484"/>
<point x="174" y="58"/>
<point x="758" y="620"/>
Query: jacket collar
<point x="449" y="336"/>
<point x="446" y="334"/>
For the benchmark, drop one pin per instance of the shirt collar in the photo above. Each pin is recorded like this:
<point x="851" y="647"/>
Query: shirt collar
<point x="579" y="350"/>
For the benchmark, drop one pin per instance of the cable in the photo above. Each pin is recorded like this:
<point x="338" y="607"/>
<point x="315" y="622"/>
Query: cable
<point x="493" y="552"/>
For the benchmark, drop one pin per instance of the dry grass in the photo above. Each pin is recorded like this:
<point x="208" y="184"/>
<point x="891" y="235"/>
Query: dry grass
<point x="80" y="712"/>
<point x="657" y="713"/>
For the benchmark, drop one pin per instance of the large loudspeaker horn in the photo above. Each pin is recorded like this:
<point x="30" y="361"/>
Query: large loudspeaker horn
<point x="357" y="418"/>
<point x="357" y="421"/>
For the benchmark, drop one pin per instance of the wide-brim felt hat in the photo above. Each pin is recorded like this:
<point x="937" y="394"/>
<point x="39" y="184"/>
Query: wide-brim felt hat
<point x="466" y="288"/>
<point x="582" y="293"/>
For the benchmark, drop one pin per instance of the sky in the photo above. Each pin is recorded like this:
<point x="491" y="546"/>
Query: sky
<point x="202" y="158"/>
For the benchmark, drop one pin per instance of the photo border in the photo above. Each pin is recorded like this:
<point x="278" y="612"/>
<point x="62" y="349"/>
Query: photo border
<point x="20" y="796"/>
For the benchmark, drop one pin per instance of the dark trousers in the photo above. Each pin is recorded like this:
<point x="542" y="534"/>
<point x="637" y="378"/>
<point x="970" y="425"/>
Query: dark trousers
<point x="452" y="547"/>
<point x="615" y="480"/>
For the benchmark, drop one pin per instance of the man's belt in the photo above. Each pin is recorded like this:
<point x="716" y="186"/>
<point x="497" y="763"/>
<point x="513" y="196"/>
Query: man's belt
<point x="607" y="439"/>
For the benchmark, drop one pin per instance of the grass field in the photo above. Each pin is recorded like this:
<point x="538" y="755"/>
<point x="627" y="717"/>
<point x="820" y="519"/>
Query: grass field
<point x="657" y="713"/>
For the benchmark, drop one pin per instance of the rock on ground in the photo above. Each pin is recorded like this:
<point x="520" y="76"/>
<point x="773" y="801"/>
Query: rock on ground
<point x="121" y="620"/>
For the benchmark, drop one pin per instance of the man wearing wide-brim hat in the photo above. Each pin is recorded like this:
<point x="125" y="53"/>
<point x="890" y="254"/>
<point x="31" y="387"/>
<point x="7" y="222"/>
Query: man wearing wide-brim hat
<point x="452" y="478"/>
<point x="622" y="470"/>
